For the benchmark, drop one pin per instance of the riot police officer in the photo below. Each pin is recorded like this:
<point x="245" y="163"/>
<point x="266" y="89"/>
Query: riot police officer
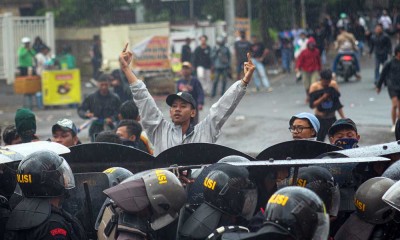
<point x="321" y="181"/>
<point x="291" y="213"/>
<point x="44" y="178"/>
<point x="141" y="205"/>
<point x="230" y="198"/>
<point x="7" y="186"/>
<point x="117" y="174"/>
<point x="373" y="217"/>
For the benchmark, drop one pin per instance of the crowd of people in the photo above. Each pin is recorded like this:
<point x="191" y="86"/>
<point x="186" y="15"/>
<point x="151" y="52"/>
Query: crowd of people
<point x="237" y="205"/>
<point x="34" y="58"/>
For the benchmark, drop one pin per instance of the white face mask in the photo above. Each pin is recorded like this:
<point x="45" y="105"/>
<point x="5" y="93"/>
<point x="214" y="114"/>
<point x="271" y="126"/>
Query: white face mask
<point x="309" y="139"/>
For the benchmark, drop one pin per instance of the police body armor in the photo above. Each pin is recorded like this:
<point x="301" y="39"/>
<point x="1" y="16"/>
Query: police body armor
<point x="141" y="205"/>
<point x="117" y="221"/>
<point x="4" y="214"/>
<point x="33" y="216"/>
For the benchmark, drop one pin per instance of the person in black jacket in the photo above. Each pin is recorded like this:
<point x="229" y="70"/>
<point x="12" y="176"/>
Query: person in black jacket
<point x="186" y="52"/>
<point x="390" y="76"/>
<point x="382" y="47"/>
<point x="202" y="63"/>
<point x="102" y="106"/>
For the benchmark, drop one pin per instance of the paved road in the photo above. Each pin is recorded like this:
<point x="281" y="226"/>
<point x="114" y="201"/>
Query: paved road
<point x="261" y="119"/>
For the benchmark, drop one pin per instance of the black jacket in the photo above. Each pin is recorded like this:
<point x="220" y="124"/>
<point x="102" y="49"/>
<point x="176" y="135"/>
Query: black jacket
<point x="101" y="106"/>
<point x="202" y="57"/>
<point x="390" y="75"/>
<point x="381" y="45"/>
<point x="58" y="226"/>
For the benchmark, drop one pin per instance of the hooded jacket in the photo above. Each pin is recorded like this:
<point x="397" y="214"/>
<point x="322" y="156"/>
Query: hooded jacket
<point x="164" y="134"/>
<point x="309" y="60"/>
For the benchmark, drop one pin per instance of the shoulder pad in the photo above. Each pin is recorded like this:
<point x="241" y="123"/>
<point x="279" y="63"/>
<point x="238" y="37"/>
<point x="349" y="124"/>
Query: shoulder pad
<point x="29" y="213"/>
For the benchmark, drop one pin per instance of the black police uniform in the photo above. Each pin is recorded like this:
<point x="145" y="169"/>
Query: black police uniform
<point x="4" y="214"/>
<point x="36" y="219"/>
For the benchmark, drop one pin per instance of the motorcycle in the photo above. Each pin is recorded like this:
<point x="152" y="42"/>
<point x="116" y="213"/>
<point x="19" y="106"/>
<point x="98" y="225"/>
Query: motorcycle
<point x="346" y="67"/>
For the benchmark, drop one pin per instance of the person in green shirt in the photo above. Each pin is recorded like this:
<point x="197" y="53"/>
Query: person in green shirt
<point x="67" y="60"/>
<point x="25" y="56"/>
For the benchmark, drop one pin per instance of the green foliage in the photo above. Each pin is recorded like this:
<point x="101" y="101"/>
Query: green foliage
<point x="84" y="12"/>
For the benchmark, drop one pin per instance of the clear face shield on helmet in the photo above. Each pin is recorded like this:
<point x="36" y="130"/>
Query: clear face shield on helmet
<point x="250" y="203"/>
<point x="67" y="176"/>
<point x="322" y="229"/>
<point x="332" y="207"/>
<point x="245" y="198"/>
<point x="319" y="230"/>
<point x="392" y="196"/>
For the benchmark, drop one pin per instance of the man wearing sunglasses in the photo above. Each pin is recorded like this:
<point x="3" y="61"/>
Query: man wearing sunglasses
<point x="304" y="126"/>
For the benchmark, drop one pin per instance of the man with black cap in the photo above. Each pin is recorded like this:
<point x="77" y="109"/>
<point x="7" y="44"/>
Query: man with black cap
<point x="164" y="134"/>
<point x="343" y="133"/>
<point x="25" y="122"/>
<point x="102" y="106"/>
<point x="65" y="133"/>
<point x="304" y="126"/>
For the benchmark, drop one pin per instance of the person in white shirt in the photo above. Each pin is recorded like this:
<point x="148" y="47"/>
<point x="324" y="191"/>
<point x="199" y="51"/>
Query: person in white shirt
<point x="42" y="58"/>
<point x="385" y="21"/>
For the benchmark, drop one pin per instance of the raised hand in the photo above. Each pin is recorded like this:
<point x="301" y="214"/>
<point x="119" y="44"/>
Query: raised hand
<point x="248" y="69"/>
<point x="125" y="57"/>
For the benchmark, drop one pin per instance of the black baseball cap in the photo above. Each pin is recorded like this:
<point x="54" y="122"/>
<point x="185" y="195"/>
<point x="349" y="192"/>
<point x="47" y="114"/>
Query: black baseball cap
<point x="185" y="96"/>
<point x="341" y="124"/>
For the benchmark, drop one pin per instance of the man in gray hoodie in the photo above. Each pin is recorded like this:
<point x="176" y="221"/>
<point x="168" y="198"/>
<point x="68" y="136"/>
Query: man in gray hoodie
<point x="165" y="134"/>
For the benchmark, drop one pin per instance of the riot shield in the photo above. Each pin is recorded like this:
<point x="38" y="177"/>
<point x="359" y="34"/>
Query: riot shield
<point x="27" y="148"/>
<point x="87" y="198"/>
<point x="385" y="149"/>
<point x="97" y="157"/>
<point x="195" y="154"/>
<point x="296" y="149"/>
<point x="307" y="162"/>
<point x="8" y="156"/>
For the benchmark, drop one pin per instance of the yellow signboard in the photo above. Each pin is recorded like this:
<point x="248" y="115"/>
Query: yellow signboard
<point x="243" y="24"/>
<point x="61" y="87"/>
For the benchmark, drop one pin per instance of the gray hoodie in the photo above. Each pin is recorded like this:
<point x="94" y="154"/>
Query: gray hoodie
<point x="164" y="134"/>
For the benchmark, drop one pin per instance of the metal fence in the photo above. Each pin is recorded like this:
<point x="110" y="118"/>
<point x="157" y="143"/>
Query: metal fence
<point x="12" y="30"/>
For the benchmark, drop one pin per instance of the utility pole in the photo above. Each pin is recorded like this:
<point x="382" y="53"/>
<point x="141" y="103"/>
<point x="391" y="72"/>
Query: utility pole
<point x="303" y="14"/>
<point x="229" y="9"/>
<point x="191" y="12"/>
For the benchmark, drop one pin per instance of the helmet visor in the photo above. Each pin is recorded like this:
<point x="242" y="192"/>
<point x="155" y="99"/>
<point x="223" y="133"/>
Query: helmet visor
<point x="67" y="176"/>
<point x="322" y="229"/>
<point x="250" y="203"/>
<point x="335" y="204"/>
<point x="392" y="196"/>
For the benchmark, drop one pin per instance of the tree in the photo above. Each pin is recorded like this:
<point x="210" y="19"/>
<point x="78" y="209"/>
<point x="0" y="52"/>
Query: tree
<point x="83" y="12"/>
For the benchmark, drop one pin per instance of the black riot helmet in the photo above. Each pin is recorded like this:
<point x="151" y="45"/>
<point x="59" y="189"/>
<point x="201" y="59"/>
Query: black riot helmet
<point x="296" y="212"/>
<point x="158" y="189"/>
<point x="117" y="174"/>
<point x="44" y="174"/>
<point x="7" y="180"/>
<point x="393" y="171"/>
<point x="321" y="181"/>
<point x="368" y="201"/>
<point x="229" y="190"/>
<point x="392" y="196"/>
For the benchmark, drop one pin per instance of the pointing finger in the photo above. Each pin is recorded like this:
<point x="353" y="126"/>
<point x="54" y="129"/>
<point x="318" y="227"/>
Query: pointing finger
<point x="126" y="47"/>
<point x="249" y="58"/>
